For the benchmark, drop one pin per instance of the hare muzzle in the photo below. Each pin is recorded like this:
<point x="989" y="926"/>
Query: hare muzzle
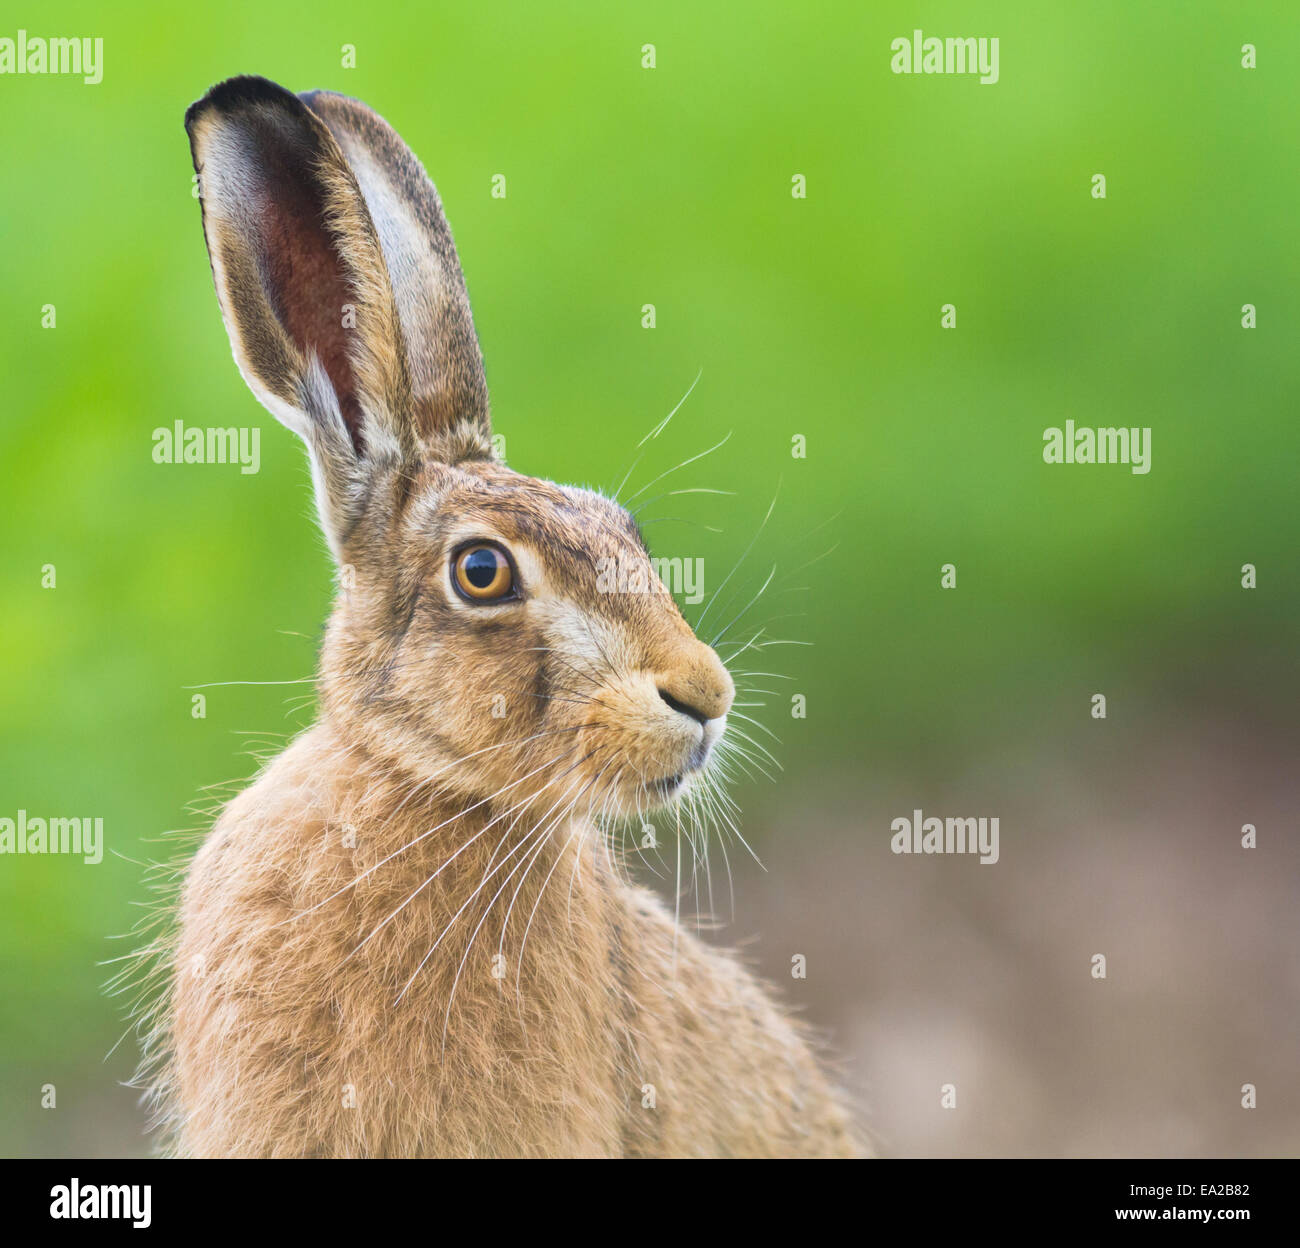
<point x="698" y="694"/>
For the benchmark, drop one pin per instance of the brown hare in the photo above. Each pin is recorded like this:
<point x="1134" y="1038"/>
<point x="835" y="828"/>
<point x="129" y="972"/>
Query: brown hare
<point x="408" y="937"/>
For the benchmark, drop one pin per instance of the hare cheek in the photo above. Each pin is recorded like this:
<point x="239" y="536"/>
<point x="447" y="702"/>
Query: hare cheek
<point x="581" y="639"/>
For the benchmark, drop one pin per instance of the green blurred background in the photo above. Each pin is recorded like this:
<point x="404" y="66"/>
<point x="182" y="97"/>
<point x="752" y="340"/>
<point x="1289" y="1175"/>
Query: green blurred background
<point x="818" y="317"/>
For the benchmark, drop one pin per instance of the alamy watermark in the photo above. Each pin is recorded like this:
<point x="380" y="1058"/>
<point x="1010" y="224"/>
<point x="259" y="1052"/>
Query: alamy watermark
<point x="28" y="54"/>
<point x="30" y="834"/>
<point x="126" y="1202"/>
<point x="1098" y="446"/>
<point x="682" y="578"/>
<point x="930" y="55"/>
<point x="920" y="835"/>
<point x="195" y="445"/>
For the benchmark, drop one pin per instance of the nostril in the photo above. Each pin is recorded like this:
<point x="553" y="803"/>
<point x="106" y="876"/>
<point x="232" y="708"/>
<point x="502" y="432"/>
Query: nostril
<point x="692" y="711"/>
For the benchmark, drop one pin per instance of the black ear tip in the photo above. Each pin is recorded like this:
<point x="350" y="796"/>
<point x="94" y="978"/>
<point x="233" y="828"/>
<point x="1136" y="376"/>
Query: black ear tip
<point x="238" y="92"/>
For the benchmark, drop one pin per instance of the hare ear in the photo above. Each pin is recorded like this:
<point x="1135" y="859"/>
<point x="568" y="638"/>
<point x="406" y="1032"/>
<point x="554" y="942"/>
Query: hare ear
<point x="449" y="391"/>
<point x="302" y="285"/>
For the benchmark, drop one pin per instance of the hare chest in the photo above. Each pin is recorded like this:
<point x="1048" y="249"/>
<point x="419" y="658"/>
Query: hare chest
<point x="321" y="1010"/>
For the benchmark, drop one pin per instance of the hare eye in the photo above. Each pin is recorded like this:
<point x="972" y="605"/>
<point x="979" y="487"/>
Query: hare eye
<point x="483" y="573"/>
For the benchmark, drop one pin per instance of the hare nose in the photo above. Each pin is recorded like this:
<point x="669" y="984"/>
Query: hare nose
<point x="701" y="691"/>
<point x="694" y="712"/>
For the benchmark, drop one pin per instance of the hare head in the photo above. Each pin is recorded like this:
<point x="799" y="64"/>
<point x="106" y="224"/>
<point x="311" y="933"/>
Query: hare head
<point x="479" y="642"/>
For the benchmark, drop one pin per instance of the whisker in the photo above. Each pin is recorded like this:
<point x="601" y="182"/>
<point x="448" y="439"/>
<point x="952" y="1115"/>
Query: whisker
<point x="735" y="567"/>
<point x="667" y="472"/>
<point x="713" y="641"/>
<point x="654" y="433"/>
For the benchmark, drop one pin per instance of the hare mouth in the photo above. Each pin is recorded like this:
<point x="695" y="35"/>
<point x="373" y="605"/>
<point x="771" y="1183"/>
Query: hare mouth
<point x="669" y="785"/>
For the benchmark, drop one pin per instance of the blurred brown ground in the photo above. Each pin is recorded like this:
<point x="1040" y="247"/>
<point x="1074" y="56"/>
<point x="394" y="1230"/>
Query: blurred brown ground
<point x="931" y="970"/>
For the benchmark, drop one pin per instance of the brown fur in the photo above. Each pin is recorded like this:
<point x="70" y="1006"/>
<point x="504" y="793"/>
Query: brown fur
<point x="409" y="936"/>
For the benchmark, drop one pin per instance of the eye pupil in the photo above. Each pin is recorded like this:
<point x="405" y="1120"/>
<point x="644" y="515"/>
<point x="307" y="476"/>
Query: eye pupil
<point x="481" y="567"/>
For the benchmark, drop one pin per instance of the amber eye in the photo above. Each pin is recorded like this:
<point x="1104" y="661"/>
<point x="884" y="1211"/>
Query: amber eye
<point x="482" y="573"/>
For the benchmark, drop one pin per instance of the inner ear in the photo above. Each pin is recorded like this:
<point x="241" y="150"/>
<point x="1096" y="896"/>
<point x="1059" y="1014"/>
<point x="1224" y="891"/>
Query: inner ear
<point x="303" y="271"/>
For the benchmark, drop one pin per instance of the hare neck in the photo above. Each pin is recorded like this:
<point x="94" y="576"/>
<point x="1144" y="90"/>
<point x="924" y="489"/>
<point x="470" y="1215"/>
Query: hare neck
<point x="443" y="884"/>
